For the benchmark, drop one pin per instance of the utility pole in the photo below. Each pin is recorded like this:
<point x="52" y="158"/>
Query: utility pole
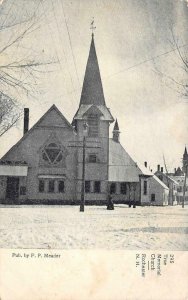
<point x="82" y="203"/>
<point x="184" y="186"/>
<point x="84" y="147"/>
<point x="168" y="182"/>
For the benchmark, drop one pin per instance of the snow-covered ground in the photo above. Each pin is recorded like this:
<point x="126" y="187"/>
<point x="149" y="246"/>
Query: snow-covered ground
<point x="64" y="227"/>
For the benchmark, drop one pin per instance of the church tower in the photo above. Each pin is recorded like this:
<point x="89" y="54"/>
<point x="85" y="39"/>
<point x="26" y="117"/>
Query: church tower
<point x="185" y="160"/>
<point x="91" y="123"/>
<point x="116" y="132"/>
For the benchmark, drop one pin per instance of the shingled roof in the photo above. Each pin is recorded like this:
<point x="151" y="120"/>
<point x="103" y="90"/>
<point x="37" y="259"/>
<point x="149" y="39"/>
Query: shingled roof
<point x="105" y="113"/>
<point x="122" y="167"/>
<point x="92" y="90"/>
<point x="116" y="126"/>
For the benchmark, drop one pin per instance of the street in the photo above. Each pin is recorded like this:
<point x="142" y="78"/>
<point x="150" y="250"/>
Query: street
<point x="64" y="227"/>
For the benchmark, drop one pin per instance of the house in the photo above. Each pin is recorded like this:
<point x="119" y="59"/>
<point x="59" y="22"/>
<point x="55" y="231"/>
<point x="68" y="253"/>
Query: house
<point x="181" y="180"/>
<point x="180" y="176"/>
<point x="159" y="192"/>
<point x="169" y="182"/>
<point x="57" y="162"/>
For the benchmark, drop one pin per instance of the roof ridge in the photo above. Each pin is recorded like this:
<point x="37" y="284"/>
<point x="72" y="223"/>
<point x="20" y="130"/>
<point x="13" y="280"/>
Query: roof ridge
<point x="35" y="125"/>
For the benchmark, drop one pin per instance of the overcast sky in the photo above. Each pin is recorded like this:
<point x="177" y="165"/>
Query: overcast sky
<point x="133" y="42"/>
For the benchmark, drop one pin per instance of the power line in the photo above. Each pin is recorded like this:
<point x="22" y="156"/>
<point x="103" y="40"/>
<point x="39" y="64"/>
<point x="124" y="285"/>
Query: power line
<point x="132" y="67"/>
<point x="145" y="61"/>
<point x="74" y="60"/>
<point x="62" y="47"/>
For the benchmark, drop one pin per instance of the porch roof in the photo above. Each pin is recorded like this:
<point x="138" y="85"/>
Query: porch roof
<point x="13" y="170"/>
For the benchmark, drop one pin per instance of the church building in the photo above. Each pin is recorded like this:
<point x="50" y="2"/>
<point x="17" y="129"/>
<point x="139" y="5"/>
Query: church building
<point x="55" y="159"/>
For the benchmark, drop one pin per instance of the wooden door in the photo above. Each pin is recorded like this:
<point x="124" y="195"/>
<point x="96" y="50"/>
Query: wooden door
<point x="12" y="191"/>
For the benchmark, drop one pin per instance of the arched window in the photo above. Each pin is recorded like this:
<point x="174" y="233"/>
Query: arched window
<point x="52" y="153"/>
<point x="93" y="123"/>
<point x="113" y="188"/>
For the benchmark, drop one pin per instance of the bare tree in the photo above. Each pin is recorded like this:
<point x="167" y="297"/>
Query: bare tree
<point x="18" y="73"/>
<point x="183" y="57"/>
<point x="173" y="81"/>
<point x="10" y="112"/>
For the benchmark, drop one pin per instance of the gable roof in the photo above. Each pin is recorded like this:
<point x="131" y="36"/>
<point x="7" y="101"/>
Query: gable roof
<point x="92" y="90"/>
<point x="122" y="167"/>
<point x="83" y="109"/>
<point x="180" y="179"/>
<point x="160" y="182"/>
<point x="171" y="179"/>
<point x="94" y="109"/>
<point x="53" y="107"/>
<point x="167" y="177"/>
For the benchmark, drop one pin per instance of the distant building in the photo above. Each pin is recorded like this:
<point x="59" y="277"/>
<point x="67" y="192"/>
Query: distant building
<point x="175" y="181"/>
<point x="185" y="161"/>
<point x="46" y="164"/>
<point x="179" y="176"/>
<point x="171" y="183"/>
<point x="181" y="181"/>
<point x="159" y="192"/>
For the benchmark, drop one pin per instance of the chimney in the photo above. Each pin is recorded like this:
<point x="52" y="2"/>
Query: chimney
<point x="26" y="120"/>
<point x="158" y="168"/>
<point x="161" y="169"/>
<point x="145" y="164"/>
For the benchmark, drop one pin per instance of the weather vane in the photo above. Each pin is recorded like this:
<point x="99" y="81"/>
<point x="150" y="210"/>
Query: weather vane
<point x="92" y="27"/>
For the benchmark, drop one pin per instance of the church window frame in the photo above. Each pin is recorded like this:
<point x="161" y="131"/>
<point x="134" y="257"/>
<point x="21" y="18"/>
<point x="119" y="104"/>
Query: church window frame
<point x="123" y="188"/>
<point x="93" y="125"/>
<point x="145" y="187"/>
<point x="97" y="187"/>
<point x="61" y="186"/>
<point x="113" y="188"/>
<point x="87" y="186"/>
<point x="51" y="186"/>
<point x="41" y="185"/>
<point x="92" y="158"/>
<point x="52" y="153"/>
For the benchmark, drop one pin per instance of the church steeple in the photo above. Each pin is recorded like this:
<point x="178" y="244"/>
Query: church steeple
<point x="92" y="102"/>
<point x="92" y="90"/>
<point x="185" y="161"/>
<point x="185" y="155"/>
<point x="116" y="132"/>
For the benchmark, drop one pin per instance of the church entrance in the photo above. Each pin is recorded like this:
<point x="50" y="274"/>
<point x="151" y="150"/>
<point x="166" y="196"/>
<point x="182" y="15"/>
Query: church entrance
<point x="12" y="191"/>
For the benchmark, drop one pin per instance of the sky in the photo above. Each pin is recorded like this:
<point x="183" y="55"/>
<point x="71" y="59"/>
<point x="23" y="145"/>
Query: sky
<point x="133" y="40"/>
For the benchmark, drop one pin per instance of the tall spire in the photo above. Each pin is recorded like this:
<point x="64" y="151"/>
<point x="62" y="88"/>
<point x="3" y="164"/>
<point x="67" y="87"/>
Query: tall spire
<point x="116" y="125"/>
<point x="185" y="152"/>
<point x="92" y="90"/>
<point x="116" y="132"/>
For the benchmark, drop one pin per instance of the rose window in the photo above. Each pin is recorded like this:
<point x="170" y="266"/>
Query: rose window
<point x="52" y="153"/>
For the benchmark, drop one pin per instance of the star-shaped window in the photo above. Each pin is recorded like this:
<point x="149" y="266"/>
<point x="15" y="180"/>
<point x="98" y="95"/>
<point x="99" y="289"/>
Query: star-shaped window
<point x="52" y="153"/>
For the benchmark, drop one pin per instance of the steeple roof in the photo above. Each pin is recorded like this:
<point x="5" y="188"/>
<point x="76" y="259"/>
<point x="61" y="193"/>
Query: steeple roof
<point x="185" y="152"/>
<point x="116" y="126"/>
<point x="92" y="90"/>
